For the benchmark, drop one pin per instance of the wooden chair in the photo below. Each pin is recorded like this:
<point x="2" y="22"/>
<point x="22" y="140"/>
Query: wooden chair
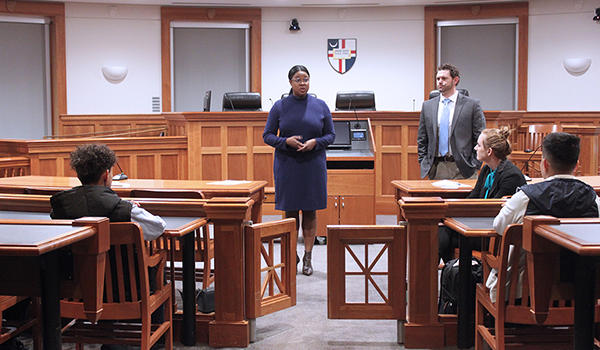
<point x="11" y="328"/>
<point x="128" y="302"/>
<point x="533" y="139"/>
<point x="204" y="244"/>
<point x="511" y="310"/>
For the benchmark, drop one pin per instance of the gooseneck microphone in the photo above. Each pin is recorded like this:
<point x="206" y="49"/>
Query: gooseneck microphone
<point x="120" y="176"/>
<point x="532" y="154"/>
<point x="350" y="105"/>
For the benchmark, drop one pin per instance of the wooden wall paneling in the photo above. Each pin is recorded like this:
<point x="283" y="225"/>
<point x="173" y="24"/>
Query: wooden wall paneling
<point x="48" y="167"/>
<point x="391" y="160"/>
<point x="194" y="147"/>
<point x="250" y="152"/>
<point x="237" y="165"/>
<point x="211" y="167"/>
<point x="412" y="152"/>
<point x="168" y="166"/>
<point x="77" y="129"/>
<point x="125" y="163"/>
<point x="51" y="157"/>
<point x="70" y="124"/>
<point x="263" y="167"/>
<point x="146" y="167"/>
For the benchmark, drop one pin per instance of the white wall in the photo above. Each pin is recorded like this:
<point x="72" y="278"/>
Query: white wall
<point x="95" y="39"/>
<point x="389" y="53"/>
<point x="558" y="30"/>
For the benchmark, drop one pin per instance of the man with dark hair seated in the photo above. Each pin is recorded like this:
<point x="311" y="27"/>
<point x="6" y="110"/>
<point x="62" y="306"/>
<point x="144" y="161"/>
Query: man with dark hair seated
<point x="93" y="164"/>
<point x="559" y="195"/>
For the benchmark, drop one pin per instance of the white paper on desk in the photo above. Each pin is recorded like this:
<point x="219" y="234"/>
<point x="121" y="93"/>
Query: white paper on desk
<point x="229" y="182"/>
<point x="449" y="184"/>
<point x="120" y="184"/>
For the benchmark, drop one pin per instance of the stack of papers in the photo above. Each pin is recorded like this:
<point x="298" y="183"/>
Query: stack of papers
<point x="449" y="184"/>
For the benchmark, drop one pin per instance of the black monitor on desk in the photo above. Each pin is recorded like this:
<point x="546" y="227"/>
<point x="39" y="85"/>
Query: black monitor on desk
<point x="342" y="134"/>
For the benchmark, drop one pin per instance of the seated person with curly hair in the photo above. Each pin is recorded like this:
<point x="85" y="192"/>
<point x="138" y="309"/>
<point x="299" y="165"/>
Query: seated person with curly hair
<point x="93" y="164"/>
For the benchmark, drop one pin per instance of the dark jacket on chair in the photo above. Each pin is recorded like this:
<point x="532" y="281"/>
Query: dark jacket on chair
<point x="88" y="200"/>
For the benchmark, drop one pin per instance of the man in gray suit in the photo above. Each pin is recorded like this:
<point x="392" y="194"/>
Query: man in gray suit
<point x="448" y="130"/>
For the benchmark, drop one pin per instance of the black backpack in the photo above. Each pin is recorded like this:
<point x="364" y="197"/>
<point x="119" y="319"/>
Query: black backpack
<point x="448" y="303"/>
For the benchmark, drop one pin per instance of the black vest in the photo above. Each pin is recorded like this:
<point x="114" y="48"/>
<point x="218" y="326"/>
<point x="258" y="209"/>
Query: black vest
<point x="562" y="198"/>
<point x="88" y="200"/>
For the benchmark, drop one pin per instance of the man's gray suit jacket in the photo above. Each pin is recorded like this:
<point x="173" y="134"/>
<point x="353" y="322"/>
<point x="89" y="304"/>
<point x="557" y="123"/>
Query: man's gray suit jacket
<point x="467" y="123"/>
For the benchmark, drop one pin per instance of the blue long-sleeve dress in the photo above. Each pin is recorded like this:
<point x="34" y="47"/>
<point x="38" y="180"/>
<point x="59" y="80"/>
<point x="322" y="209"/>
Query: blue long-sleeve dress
<point x="300" y="177"/>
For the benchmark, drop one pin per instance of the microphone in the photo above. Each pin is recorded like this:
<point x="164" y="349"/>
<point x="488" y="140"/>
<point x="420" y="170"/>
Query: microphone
<point x="357" y="125"/>
<point x="271" y="102"/>
<point x="230" y="101"/>
<point x="532" y="154"/>
<point x="120" y="176"/>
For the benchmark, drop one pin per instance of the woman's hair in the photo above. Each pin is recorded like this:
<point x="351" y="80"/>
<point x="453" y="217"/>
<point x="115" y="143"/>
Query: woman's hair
<point x="295" y="69"/>
<point x="497" y="140"/>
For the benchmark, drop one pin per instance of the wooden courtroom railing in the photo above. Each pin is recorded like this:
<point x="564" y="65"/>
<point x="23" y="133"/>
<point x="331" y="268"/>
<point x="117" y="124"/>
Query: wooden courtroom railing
<point x="17" y="166"/>
<point x="139" y="157"/>
<point x="384" y="293"/>
<point x="70" y="124"/>
<point x="425" y="328"/>
<point x="115" y="133"/>
<point x="270" y="277"/>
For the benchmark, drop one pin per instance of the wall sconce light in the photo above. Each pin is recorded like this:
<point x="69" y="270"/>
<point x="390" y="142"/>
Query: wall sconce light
<point x="577" y="66"/>
<point x="294" y="26"/>
<point x="114" y="75"/>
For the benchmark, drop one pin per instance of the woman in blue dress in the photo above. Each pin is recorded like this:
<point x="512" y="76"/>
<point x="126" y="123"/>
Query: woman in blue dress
<point x="300" y="128"/>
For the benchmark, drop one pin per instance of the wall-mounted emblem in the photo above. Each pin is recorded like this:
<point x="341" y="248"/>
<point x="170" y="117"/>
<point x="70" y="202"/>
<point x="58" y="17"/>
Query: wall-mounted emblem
<point x="341" y="54"/>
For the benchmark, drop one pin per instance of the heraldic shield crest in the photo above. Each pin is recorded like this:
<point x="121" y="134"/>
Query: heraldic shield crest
<point x="341" y="54"/>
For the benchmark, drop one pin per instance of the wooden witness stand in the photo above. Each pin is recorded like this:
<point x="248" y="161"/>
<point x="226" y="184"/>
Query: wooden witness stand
<point x="229" y="325"/>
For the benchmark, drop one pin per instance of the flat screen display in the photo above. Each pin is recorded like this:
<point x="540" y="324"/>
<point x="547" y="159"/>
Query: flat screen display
<point x="342" y="134"/>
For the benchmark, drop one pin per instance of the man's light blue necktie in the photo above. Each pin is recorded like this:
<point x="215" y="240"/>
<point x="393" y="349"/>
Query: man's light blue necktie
<point x="444" y="126"/>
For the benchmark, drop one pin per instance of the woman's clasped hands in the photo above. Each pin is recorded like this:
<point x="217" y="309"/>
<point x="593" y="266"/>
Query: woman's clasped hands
<point x="294" y="142"/>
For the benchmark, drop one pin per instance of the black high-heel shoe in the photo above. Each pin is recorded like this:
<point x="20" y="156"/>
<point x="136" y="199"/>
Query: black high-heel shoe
<point x="306" y="264"/>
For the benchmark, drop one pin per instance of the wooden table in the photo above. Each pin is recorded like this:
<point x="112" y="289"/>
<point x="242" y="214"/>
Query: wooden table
<point x="177" y="227"/>
<point x="542" y="238"/>
<point x="29" y="265"/>
<point x="184" y="228"/>
<point x="424" y="188"/>
<point x="467" y="227"/>
<point x="251" y="189"/>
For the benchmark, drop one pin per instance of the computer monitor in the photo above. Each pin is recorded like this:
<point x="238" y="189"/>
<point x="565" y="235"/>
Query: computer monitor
<point x="242" y="101"/>
<point x="207" y="96"/>
<point x="342" y="134"/>
<point x="355" y="100"/>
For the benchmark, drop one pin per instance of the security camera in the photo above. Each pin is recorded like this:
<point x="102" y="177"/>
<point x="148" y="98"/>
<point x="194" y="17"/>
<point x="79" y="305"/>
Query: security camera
<point x="597" y="15"/>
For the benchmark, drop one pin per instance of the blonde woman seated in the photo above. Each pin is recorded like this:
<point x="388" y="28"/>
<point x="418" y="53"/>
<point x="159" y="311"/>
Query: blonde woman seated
<point x="499" y="177"/>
